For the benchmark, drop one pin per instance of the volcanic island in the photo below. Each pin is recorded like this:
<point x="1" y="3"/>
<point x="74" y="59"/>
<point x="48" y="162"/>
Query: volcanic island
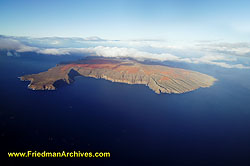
<point x="159" y="78"/>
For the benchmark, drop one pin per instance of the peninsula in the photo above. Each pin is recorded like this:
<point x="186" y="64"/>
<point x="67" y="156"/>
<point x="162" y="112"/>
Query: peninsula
<point x="161" y="79"/>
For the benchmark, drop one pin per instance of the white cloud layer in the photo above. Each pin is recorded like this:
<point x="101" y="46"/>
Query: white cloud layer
<point x="218" y="60"/>
<point x="11" y="44"/>
<point x="237" y="49"/>
<point x="212" y="53"/>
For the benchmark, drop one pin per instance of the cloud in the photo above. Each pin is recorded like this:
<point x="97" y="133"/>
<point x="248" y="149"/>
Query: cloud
<point x="11" y="44"/>
<point x="219" y="54"/>
<point x="93" y="38"/>
<point x="218" y="61"/>
<point x="212" y="59"/>
<point x="140" y="55"/>
<point x="120" y="52"/>
<point x="9" y="54"/>
<point x="134" y="53"/>
<point x="25" y="48"/>
<point x="54" y="51"/>
<point x="237" y="49"/>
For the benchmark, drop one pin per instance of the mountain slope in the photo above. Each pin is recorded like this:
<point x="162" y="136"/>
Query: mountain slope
<point x="161" y="79"/>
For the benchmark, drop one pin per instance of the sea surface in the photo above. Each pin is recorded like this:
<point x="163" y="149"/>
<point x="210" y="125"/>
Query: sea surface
<point x="209" y="126"/>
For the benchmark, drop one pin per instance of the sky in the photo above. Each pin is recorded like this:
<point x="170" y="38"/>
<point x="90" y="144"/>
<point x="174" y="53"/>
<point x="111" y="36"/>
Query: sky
<point x="182" y="20"/>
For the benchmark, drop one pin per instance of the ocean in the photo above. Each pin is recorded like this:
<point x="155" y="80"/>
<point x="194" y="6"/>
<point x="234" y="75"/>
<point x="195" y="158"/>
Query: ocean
<point x="208" y="126"/>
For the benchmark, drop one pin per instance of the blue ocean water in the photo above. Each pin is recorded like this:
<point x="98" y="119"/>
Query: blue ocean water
<point x="209" y="126"/>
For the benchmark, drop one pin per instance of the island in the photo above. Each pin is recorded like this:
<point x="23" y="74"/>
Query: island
<point x="159" y="78"/>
